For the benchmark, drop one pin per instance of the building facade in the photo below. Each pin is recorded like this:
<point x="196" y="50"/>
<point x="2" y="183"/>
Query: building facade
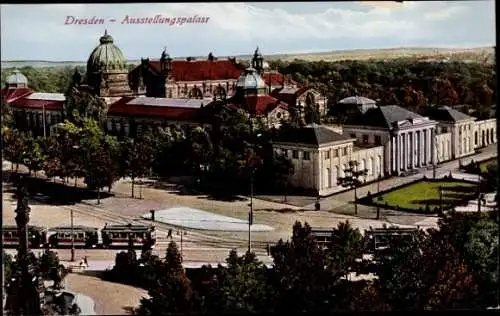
<point x="320" y="155"/>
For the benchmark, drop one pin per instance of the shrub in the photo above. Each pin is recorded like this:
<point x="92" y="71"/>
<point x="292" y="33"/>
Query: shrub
<point x="427" y="209"/>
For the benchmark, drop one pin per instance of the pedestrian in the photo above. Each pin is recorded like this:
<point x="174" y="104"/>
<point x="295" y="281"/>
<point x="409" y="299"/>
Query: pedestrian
<point x="85" y="262"/>
<point x="82" y="262"/>
<point x="169" y="235"/>
<point x="268" y="249"/>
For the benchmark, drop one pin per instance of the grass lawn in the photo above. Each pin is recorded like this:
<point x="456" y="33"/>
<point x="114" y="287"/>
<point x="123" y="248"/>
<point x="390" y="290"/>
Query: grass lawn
<point x="484" y="165"/>
<point x="423" y="193"/>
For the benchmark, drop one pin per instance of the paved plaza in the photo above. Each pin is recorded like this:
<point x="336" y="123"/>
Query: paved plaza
<point x="197" y="219"/>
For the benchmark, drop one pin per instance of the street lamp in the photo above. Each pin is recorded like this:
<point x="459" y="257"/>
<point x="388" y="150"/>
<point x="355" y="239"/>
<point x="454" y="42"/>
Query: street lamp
<point x="72" y="238"/>
<point x="250" y="213"/>
<point x="43" y="120"/>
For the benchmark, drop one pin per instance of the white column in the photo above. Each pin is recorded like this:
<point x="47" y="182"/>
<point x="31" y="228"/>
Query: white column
<point x="405" y="151"/>
<point x="411" y="147"/>
<point x="397" y="154"/>
<point x="428" y="150"/>
<point x="392" y="155"/>
<point x="433" y="146"/>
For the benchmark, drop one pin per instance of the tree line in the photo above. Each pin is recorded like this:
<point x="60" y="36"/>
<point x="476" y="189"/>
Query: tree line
<point x="452" y="267"/>
<point x="405" y="82"/>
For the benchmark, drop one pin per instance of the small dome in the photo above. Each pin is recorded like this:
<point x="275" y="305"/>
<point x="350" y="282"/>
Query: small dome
<point x="357" y="100"/>
<point x="17" y="78"/>
<point x="251" y="80"/>
<point x="106" y="56"/>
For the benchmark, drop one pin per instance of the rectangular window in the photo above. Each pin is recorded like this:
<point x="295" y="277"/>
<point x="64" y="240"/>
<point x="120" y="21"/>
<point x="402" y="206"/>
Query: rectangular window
<point x="445" y="130"/>
<point x="295" y="154"/>
<point x="378" y="140"/>
<point x="335" y="153"/>
<point x="306" y="155"/>
<point x="365" y="139"/>
<point x="344" y="151"/>
<point x="327" y="155"/>
<point x="352" y="135"/>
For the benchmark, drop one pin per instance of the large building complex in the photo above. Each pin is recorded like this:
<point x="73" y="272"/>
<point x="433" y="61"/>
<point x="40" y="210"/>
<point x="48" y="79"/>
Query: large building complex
<point x="385" y="140"/>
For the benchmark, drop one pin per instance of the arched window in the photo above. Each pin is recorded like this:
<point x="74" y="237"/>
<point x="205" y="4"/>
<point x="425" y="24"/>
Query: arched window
<point x="379" y="164"/>
<point x="195" y="93"/>
<point x="328" y="178"/>
<point x="362" y="165"/>
<point x="372" y="166"/>
<point x="220" y="93"/>
<point x="336" y="175"/>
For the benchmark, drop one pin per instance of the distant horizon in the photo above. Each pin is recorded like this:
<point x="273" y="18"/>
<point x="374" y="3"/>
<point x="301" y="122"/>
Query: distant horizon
<point x="316" y="52"/>
<point x="236" y="29"/>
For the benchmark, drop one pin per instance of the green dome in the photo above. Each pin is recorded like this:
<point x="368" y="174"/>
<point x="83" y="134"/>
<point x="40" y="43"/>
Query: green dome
<point x="106" y="56"/>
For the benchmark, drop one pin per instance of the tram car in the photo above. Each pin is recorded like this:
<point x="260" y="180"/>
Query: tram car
<point x="119" y="236"/>
<point x="37" y="236"/>
<point x="83" y="237"/>
<point x="322" y="237"/>
<point x="381" y="239"/>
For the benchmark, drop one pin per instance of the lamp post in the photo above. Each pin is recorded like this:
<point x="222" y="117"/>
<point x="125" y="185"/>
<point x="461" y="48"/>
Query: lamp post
<point x="250" y="213"/>
<point x="378" y="196"/>
<point x="72" y="238"/>
<point x="43" y="120"/>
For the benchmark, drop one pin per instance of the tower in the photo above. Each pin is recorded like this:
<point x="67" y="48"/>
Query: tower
<point x="258" y="61"/>
<point x="165" y="63"/>
<point x="25" y="293"/>
<point x="107" y="72"/>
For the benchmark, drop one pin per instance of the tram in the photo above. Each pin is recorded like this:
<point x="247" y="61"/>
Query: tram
<point x="322" y="237"/>
<point x="121" y="236"/>
<point x="37" y="236"/>
<point x="83" y="237"/>
<point x="381" y="239"/>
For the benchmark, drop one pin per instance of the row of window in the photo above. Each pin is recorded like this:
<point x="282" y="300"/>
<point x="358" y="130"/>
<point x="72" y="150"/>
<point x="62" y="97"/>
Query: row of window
<point x="336" y="153"/>
<point x="306" y="155"/>
<point x="378" y="139"/>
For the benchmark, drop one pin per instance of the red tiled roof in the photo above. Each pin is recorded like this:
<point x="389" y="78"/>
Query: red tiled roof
<point x="289" y="98"/>
<point x="274" y="78"/>
<point x="11" y="94"/>
<point x="121" y="108"/>
<point x="198" y="70"/>
<point x="50" y="105"/>
<point x="258" y="105"/>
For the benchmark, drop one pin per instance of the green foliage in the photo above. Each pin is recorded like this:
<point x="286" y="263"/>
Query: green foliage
<point x="171" y="293"/>
<point x="299" y="278"/>
<point x="81" y="104"/>
<point x="352" y="179"/>
<point x="137" y="157"/>
<point x="347" y="246"/>
<point x="14" y="146"/>
<point x="410" y="83"/>
<point x="242" y="285"/>
<point x="7" y="266"/>
<point x="33" y="157"/>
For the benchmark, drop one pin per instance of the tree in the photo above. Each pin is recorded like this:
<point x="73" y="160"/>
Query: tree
<point x="454" y="288"/>
<point x="100" y="152"/>
<point x="137" y="158"/>
<point x="352" y="180"/>
<point x="481" y="251"/>
<point x="33" y="156"/>
<point x="346" y="247"/>
<point x="14" y="147"/>
<point x="81" y="103"/>
<point x="299" y="278"/>
<point x="171" y="294"/>
<point x="242" y="285"/>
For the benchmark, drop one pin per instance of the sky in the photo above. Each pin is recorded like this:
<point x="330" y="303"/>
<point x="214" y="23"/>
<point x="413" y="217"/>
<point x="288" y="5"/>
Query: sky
<point x="39" y="32"/>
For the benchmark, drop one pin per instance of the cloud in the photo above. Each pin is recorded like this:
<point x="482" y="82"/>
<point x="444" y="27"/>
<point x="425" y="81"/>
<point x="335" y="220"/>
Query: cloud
<point x="38" y="31"/>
